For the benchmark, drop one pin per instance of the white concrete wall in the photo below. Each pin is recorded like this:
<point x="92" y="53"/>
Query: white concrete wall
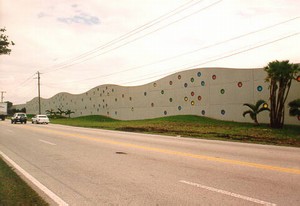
<point x="212" y="92"/>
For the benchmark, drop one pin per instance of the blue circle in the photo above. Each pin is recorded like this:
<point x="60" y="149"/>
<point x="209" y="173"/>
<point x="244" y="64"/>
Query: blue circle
<point x="259" y="88"/>
<point x="179" y="107"/>
<point x="222" y="111"/>
<point x="203" y="112"/>
<point x="199" y="74"/>
<point x="202" y="83"/>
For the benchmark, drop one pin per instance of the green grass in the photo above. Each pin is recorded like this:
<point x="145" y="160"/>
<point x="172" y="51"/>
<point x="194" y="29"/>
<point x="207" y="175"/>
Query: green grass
<point x="194" y="126"/>
<point x="14" y="191"/>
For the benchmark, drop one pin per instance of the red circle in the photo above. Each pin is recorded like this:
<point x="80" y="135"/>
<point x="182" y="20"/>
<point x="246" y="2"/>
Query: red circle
<point x="298" y="78"/>
<point x="214" y="77"/>
<point x="240" y="84"/>
<point x="199" y="98"/>
<point x="192" y="93"/>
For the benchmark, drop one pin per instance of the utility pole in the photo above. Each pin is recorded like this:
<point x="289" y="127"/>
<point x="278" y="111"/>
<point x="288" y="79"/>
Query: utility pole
<point x="39" y="91"/>
<point x="2" y="97"/>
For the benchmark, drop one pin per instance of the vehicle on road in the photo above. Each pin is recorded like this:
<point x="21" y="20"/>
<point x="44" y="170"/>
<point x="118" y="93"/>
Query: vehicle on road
<point x="40" y="119"/>
<point x="19" y="117"/>
<point x="3" y="110"/>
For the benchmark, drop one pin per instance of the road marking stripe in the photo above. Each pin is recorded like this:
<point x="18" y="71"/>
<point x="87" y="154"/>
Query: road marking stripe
<point x="173" y="152"/>
<point x="224" y="192"/>
<point x="48" y="192"/>
<point x="46" y="142"/>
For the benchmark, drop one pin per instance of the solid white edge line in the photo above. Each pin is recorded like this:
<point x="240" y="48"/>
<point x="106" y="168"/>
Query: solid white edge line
<point x="44" y="141"/>
<point x="48" y="192"/>
<point x="228" y="193"/>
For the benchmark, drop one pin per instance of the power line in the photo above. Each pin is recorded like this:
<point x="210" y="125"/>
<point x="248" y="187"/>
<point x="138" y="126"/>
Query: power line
<point x="134" y="31"/>
<point x="137" y="38"/>
<point x="193" y="51"/>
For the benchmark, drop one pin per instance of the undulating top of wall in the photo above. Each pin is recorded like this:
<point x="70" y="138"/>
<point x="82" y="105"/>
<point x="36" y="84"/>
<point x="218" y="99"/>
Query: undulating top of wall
<point x="213" y="92"/>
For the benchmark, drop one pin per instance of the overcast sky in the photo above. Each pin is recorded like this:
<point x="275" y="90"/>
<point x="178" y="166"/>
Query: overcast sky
<point x="78" y="45"/>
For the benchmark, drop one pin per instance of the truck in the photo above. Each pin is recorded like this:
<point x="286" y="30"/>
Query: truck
<point x="3" y="110"/>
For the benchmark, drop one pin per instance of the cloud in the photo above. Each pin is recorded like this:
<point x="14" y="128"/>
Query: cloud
<point x="69" y="14"/>
<point x="82" y="18"/>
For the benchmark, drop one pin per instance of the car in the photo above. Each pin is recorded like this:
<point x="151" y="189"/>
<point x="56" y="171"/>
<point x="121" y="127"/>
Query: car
<point x="40" y="119"/>
<point x="19" y="117"/>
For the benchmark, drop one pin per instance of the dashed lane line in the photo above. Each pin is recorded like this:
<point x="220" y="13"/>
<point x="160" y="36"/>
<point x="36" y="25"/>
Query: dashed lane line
<point x="224" y="192"/>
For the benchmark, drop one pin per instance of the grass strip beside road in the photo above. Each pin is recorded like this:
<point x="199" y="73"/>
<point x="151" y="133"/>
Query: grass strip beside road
<point x="194" y="126"/>
<point x="14" y="191"/>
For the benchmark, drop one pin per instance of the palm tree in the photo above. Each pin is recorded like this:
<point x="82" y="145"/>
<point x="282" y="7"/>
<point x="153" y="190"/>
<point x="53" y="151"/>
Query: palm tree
<point x="60" y="112"/>
<point x="50" y="112"/>
<point x="256" y="109"/>
<point x="294" y="107"/>
<point x="69" y="112"/>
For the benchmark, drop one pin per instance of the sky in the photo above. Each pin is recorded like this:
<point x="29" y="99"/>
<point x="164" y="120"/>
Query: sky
<point x="78" y="45"/>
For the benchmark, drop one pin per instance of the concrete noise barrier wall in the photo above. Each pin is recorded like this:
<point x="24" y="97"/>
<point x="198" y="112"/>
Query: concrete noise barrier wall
<point x="218" y="93"/>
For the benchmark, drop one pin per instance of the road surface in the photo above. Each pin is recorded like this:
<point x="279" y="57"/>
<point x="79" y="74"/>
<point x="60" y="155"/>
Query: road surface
<point x="81" y="166"/>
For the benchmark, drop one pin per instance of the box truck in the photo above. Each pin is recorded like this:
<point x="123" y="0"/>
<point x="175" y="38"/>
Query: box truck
<point x="3" y="110"/>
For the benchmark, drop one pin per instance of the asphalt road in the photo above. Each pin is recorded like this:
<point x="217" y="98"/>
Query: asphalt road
<point x="98" y="167"/>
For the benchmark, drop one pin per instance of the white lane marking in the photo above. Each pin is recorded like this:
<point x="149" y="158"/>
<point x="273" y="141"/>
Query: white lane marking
<point x="46" y="142"/>
<point x="228" y="193"/>
<point x="48" y="192"/>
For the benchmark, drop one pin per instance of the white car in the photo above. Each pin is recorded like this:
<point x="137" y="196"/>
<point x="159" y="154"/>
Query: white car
<point x="40" y="119"/>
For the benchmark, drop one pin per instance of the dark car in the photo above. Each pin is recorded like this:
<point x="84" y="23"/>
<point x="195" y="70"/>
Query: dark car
<point x="19" y="117"/>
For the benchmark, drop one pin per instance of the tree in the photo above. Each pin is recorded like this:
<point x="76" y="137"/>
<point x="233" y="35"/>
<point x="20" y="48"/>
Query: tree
<point x="60" y="112"/>
<point x="280" y="76"/>
<point x="294" y="107"/>
<point x="4" y="43"/>
<point x="69" y="112"/>
<point x="51" y="112"/>
<point x="256" y="109"/>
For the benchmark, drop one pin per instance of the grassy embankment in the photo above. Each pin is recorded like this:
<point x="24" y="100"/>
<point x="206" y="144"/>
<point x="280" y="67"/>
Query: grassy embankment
<point x="194" y="126"/>
<point x="14" y="191"/>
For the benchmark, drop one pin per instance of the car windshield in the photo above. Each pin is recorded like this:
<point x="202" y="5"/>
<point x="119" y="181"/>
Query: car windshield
<point x="21" y="115"/>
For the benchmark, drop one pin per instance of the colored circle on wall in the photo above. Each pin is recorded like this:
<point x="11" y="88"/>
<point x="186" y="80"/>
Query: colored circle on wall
<point x="170" y="82"/>
<point x="171" y="100"/>
<point x="202" y="83"/>
<point x="145" y="93"/>
<point x="116" y="113"/>
<point x="203" y="112"/>
<point x="179" y="77"/>
<point x="116" y="99"/>
<point x="299" y="117"/>
<point x="259" y="88"/>
<point x="152" y="104"/>
<point x="240" y="84"/>
<point x="165" y="112"/>
<point x="192" y="103"/>
<point x="199" y="74"/>
<point x="214" y="77"/>
<point x="179" y="108"/>
<point x="162" y="92"/>
<point x="192" y="93"/>
<point x="222" y="91"/>
<point x="185" y="84"/>
<point x="132" y="108"/>
<point x="154" y="84"/>
<point x="199" y="98"/>
<point x="186" y="99"/>
<point x="122" y="95"/>
<point x="298" y="78"/>
<point x="192" y="79"/>
<point x="265" y="105"/>
<point x="222" y="111"/>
